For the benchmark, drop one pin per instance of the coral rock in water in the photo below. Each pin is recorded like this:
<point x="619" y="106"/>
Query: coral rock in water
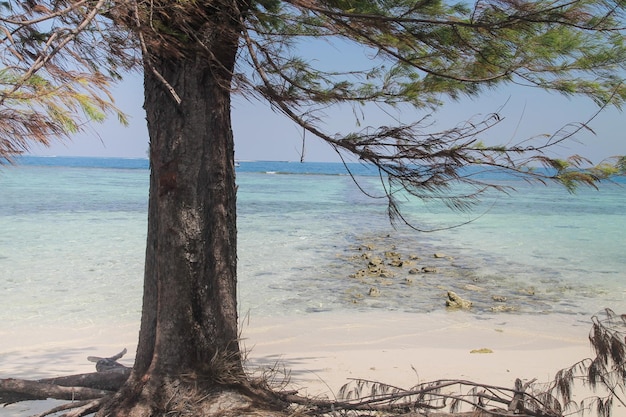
<point x="454" y="301"/>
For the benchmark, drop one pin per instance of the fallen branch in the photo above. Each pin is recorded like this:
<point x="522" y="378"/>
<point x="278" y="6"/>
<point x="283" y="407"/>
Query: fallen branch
<point x="110" y="377"/>
<point x="88" y="408"/>
<point x="107" y="381"/>
<point x="13" y="390"/>
<point x="427" y="398"/>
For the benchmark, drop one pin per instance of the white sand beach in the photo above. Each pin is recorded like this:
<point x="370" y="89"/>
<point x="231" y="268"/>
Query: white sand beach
<point x="323" y="351"/>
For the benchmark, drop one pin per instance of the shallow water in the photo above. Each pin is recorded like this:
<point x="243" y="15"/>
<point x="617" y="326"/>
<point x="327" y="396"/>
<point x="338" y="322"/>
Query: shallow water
<point x="72" y="242"/>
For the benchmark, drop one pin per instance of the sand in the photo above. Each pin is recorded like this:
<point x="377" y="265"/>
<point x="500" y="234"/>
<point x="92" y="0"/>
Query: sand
<point x="323" y="351"/>
<point x="326" y="351"/>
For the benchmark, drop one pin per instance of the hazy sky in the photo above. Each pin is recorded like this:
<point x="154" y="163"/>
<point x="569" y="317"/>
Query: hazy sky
<point x="261" y="134"/>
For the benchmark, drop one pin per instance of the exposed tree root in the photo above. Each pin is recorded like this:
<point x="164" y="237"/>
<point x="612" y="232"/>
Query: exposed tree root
<point x="606" y="374"/>
<point x="78" y="409"/>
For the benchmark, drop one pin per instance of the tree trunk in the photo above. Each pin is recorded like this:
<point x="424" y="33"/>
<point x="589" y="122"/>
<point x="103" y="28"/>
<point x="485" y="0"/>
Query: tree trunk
<point x="188" y="337"/>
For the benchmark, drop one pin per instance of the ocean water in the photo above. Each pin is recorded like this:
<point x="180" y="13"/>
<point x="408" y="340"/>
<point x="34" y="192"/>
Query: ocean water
<point x="72" y="242"/>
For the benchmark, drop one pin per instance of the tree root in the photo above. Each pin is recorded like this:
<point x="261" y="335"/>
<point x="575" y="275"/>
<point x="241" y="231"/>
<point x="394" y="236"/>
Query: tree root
<point x="79" y="409"/>
<point x="86" y="399"/>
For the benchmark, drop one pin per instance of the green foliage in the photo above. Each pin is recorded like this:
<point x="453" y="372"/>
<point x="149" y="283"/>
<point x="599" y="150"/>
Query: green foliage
<point x="418" y="53"/>
<point x="576" y="171"/>
<point x="454" y="50"/>
<point x="41" y="109"/>
<point x="52" y="79"/>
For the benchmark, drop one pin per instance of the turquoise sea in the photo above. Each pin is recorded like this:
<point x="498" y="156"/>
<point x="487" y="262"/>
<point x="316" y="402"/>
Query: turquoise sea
<point x="72" y="242"/>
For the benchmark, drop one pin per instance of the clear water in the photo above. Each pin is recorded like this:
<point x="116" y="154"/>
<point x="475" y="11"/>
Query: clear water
<point x="72" y="242"/>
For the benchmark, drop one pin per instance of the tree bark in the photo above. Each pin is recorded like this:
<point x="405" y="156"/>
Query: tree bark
<point x="188" y="336"/>
<point x="190" y="311"/>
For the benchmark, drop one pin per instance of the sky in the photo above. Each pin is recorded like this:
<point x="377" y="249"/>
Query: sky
<point x="261" y="134"/>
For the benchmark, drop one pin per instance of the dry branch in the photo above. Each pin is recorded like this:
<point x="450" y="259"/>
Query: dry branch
<point x="429" y="398"/>
<point x="12" y="390"/>
<point x="79" y="408"/>
<point x="110" y="377"/>
<point x="107" y="381"/>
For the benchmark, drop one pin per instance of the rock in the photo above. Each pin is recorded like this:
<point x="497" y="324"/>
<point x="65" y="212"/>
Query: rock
<point x="375" y="261"/>
<point x="414" y="271"/>
<point x="359" y="274"/>
<point x="502" y="309"/>
<point x="498" y="298"/>
<point x="527" y="291"/>
<point x="374" y="292"/>
<point x="439" y="255"/>
<point x="429" y="269"/>
<point x="454" y="301"/>
<point x="397" y="263"/>
<point x="413" y="257"/>
<point x="392" y="255"/>
<point x="471" y="287"/>
<point x="408" y="280"/>
<point x="373" y="270"/>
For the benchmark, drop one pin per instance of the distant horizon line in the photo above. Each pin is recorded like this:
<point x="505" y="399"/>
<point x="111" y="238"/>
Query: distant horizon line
<point x="147" y="159"/>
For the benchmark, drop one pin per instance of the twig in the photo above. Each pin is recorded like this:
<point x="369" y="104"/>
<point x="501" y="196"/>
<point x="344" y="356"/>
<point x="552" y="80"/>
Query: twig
<point x="87" y="408"/>
<point x="64" y="407"/>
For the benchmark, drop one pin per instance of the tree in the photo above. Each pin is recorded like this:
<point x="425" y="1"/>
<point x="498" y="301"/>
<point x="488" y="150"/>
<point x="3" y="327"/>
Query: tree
<point x="195" y="54"/>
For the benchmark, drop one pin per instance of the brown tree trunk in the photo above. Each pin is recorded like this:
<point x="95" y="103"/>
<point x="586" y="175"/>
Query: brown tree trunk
<point x="188" y="337"/>
<point x="190" y="311"/>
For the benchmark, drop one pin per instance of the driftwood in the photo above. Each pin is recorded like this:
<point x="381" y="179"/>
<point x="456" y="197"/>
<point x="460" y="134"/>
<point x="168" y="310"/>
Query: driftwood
<point x="22" y="390"/>
<point x="90" y="386"/>
<point x="107" y="381"/>
<point x="72" y="387"/>
<point x="443" y="398"/>
<point x="109" y="364"/>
